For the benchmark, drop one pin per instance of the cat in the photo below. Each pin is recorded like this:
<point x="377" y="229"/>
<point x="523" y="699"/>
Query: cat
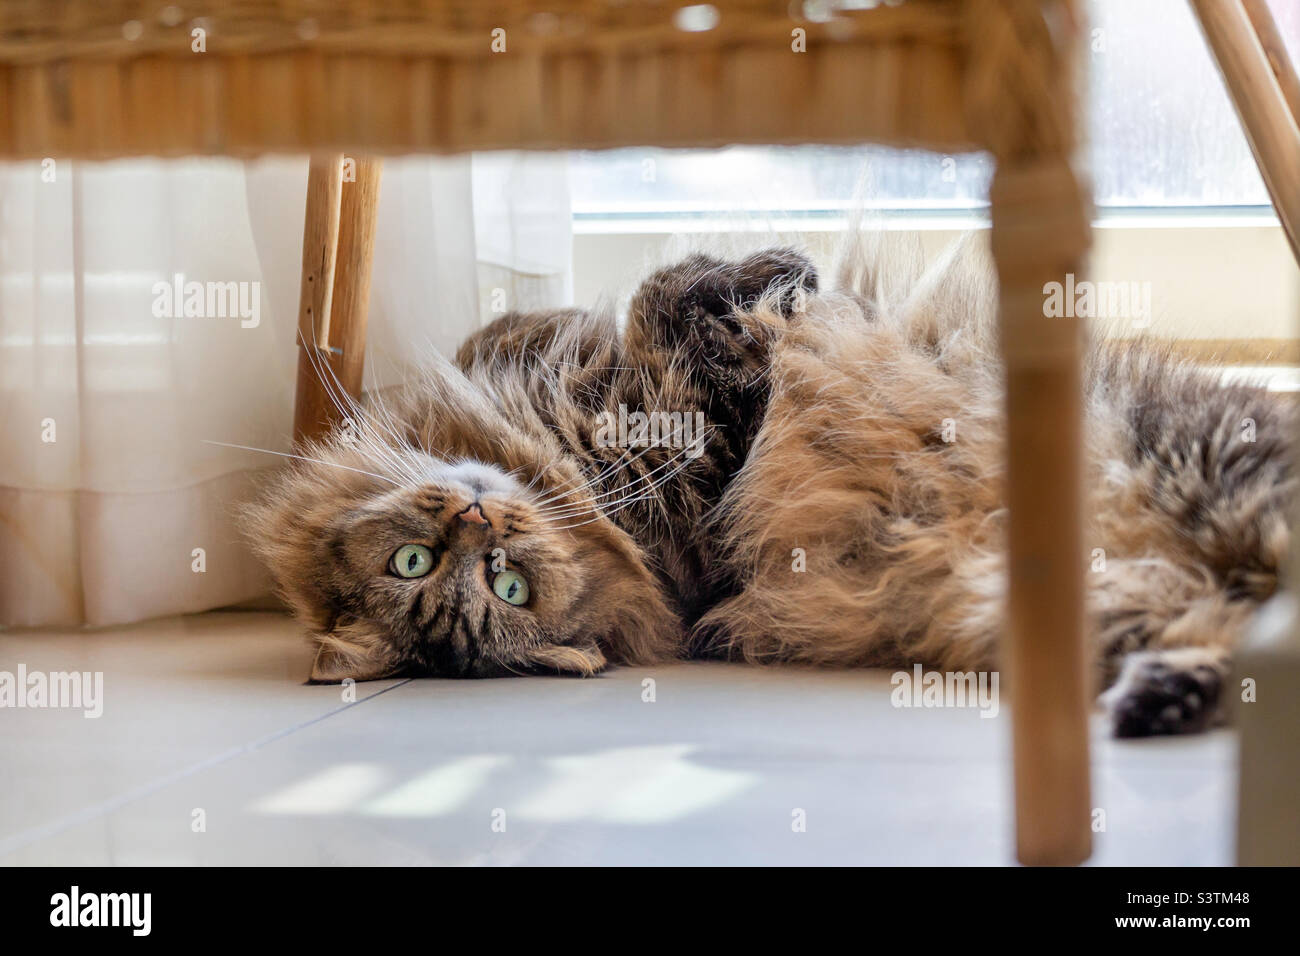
<point x="842" y="504"/>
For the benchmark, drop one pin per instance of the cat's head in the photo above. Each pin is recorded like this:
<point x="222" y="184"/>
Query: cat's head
<point x="402" y="563"/>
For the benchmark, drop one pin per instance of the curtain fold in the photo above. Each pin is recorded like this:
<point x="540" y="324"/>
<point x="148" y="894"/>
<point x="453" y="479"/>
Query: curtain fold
<point x="524" y="233"/>
<point x="147" y="306"/>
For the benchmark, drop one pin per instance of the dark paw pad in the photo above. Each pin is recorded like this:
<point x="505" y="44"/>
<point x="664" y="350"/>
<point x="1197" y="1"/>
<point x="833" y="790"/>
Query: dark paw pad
<point x="1154" y="696"/>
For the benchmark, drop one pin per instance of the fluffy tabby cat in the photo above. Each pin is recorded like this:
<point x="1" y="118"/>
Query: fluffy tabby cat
<point x="485" y="524"/>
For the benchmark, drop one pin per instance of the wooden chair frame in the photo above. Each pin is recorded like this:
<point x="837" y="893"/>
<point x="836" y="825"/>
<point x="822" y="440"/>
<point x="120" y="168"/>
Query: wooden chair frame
<point x="356" y="78"/>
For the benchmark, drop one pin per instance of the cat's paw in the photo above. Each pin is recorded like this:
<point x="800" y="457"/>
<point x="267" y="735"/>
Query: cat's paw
<point x="782" y="273"/>
<point x="700" y="304"/>
<point x="715" y="323"/>
<point x="1167" y="692"/>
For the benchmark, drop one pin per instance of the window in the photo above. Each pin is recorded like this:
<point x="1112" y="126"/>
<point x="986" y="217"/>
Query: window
<point x="1162" y="131"/>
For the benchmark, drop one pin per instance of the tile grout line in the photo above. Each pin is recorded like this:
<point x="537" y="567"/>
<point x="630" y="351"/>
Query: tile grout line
<point x="41" y="831"/>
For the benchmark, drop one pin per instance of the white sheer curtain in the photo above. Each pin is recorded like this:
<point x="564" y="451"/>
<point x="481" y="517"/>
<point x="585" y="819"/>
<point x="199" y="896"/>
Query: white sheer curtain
<point x="112" y="506"/>
<point x="523" y="215"/>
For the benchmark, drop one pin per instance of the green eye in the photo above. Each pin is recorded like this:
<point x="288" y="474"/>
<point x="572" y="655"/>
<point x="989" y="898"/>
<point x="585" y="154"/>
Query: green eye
<point x="511" y="587"/>
<point x="412" y="561"/>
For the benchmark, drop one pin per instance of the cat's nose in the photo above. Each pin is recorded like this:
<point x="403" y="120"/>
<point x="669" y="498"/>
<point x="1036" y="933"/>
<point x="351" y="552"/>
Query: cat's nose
<point x="472" y="515"/>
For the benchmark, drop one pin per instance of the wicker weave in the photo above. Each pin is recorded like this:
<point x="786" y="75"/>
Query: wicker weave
<point x="34" y="30"/>
<point x="119" y="77"/>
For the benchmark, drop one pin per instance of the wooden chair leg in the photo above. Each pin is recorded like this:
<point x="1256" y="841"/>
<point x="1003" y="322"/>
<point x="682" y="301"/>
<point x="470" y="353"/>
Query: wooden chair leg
<point x="1020" y="92"/>
<point x="338" y="251"/>
<point x="1039" y="236"/>
<point x="1260" y="97"/>
<point x="1270" y="38"/>
<point x="320" y="239"/>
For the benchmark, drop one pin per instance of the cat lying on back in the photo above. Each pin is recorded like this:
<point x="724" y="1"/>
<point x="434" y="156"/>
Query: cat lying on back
<point x="842" y="505"/>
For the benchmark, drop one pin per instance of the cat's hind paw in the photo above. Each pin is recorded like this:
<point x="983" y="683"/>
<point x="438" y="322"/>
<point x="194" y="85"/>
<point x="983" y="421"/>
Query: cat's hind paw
<point x="1167" y="692"/>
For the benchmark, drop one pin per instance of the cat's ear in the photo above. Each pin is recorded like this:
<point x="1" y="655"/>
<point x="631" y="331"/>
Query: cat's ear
<point x="350" y="653"/>
<point x="566" y="659"/>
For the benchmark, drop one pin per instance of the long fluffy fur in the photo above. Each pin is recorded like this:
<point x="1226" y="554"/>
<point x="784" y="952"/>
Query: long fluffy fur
<point x="868" y="523"/>
<point x="845" y="508"/>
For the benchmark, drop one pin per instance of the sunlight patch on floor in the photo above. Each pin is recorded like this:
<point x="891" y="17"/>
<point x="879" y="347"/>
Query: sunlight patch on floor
<point x="440" y="791"/>
<point x="653" y="784"/>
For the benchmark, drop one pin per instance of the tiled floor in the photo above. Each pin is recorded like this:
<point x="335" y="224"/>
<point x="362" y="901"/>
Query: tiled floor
<point x="206" y="721"/>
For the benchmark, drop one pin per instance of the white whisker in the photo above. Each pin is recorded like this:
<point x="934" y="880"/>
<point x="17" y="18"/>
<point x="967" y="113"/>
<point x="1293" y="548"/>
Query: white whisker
<point x="629" y="493"/>
<point x="285" y="454"/>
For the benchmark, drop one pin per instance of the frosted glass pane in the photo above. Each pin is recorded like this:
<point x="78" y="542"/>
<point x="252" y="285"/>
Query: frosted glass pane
<point x="1161" y="132"/>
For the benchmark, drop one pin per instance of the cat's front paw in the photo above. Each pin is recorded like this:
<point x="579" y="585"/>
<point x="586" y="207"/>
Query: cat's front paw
<point x="1167" y="692"/>
<point x="699" y="305"/>
<point x="781" y="273"/>
<point x="713" y="321"/>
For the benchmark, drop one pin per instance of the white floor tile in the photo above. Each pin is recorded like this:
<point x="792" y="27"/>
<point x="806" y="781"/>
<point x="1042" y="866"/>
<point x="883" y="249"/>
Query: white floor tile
<point x="209" y="713"/>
